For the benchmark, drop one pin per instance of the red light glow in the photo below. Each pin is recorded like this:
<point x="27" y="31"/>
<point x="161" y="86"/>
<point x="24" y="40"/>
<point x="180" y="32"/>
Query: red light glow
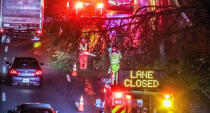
<point x="1" y="30"/>
<point x="79" y="5"/>
<point x="118" y="95"/>
<point x="38" y="73"/>
<point x="39" y="31"/>
<point x="67" y="4"/>
<point x="128" y="97"/>
<point x="13" y="71"/>
<point x="100" y="5"/>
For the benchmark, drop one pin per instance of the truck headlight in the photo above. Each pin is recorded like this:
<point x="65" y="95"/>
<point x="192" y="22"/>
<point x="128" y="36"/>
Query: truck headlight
<point x="100" y="5"/>
<point x="79" y="5"/>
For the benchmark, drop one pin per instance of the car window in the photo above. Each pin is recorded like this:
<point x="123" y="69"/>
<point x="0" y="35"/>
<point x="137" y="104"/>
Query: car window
<point x="25" y="63"/>
<point x="35" y="111"/>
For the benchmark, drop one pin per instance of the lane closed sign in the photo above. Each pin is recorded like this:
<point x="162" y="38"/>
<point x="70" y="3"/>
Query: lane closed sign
<point x="140" y="79"/>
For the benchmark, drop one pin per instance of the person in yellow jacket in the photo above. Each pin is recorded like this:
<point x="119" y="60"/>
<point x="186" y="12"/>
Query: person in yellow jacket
<point x="115" y="57"/>
<point x="83" y="57"/>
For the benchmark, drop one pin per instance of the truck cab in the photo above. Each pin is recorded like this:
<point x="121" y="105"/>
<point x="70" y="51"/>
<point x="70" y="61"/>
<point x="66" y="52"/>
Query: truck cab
<point x="88" y="8"/>
<point x="121" y="5"/>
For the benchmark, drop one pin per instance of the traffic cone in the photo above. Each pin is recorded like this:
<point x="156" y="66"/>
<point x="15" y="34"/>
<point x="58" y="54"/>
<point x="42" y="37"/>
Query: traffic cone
<point x="81" y="104"/>
<point x="74" y="72"/>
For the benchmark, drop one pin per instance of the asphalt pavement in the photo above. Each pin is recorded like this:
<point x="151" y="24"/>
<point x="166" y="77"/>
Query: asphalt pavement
<point x="59" y="89"/>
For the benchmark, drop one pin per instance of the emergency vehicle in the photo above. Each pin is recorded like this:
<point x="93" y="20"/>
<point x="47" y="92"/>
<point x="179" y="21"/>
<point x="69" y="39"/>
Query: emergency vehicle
<point x="139" y="91"/>
<point x="88" y="8"/>
<point x="126" y="5"/>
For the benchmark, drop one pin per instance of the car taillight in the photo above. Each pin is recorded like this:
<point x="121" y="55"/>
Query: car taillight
<point x="38" y="73"/>
<point x="13" y="72"/>
<point x="100" y="5"/>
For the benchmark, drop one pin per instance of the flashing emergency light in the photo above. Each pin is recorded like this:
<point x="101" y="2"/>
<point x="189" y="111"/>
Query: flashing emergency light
<point x="37" y="44"/>
<point x="39" y="31"/>
<point x="118" y="95"/>
<point x="1" y="30"/>
<point x="67" y="4"/>
<point x="79" y="5"/>
<point x="167" y="103"/>
<point x="167" y="96"/>
<point x="118" y="101"/>
<point x="104" y="90"/>
<point x="128" y="97"/>
<point x="100" y="5"/>
<point x="117" y="98"/>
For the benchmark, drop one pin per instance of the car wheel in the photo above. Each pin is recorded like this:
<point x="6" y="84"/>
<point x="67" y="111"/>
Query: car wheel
<point x="40" y="85"/>
<point x="9" y="82"/>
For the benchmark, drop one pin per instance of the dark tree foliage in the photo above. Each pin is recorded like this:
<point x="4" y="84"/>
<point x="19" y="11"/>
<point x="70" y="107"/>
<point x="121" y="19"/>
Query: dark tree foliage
<point x="170" y="37"/>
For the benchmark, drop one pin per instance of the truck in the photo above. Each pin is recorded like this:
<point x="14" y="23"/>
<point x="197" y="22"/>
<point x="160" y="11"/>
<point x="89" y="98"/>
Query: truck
<point x="121" y="5"/>
<point x="21" y="19"/>
<point x="87" y="8"/>
<point x="139" y="91"/>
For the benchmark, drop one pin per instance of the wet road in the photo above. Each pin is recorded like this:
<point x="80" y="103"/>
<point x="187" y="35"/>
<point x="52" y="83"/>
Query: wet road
<point x="58" y="89"/>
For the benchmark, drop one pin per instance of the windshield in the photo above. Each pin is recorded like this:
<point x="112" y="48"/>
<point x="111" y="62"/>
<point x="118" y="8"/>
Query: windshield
<point x="36" y="111"/>
<point x="25" y="63"/>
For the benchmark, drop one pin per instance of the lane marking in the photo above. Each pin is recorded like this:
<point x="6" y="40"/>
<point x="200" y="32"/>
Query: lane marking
<point x="6" y="49"/>
<point x="5" y="58"/>
<point x="3" y="96"/>
<point x="4" y="70"/>
<point x="2" y="39"/>
<point x="68" y="78"/>
<point x="8" y="40"/>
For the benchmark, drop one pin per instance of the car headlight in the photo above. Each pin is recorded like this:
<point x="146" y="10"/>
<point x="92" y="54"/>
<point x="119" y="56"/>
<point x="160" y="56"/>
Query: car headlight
<point x="79" y="5"/>
<point x="100" y="5"/>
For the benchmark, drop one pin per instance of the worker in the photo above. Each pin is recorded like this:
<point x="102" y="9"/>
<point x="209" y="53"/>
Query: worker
<point x="115" y="57"/>
<point x="83" y="57"/>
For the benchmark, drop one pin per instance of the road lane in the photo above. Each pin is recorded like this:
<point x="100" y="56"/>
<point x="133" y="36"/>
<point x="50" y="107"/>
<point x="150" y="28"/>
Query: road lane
<point x="3" y="96"/>
<point x="59" y="89"/>
<point x="56" y="90"/>
<point x="68" y="78"/>
<point x="6" y="49"/>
